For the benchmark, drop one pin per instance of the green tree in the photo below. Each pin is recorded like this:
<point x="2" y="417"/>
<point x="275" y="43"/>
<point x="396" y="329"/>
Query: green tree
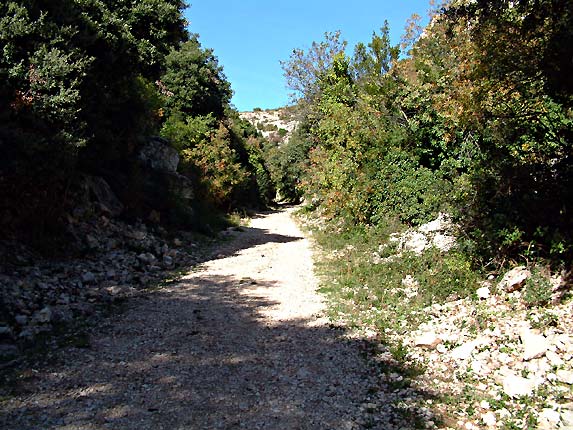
<point x="194" y="82"/>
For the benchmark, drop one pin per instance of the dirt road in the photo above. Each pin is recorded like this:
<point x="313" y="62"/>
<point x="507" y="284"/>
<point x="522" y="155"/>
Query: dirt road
<point x="239" y="342"/>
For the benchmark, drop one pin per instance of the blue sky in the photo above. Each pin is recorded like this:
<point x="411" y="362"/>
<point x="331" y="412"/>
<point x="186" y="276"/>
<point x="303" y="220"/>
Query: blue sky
<point x="250" y="37"/>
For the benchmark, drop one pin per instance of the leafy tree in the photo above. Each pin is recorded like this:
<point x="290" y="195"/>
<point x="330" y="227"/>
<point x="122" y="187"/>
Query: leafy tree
<point x="194" y="81"/>
<point x="304" y="70"/>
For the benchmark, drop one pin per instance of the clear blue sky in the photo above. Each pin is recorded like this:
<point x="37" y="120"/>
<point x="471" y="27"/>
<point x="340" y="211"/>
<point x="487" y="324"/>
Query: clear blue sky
<point x="250" y="37"/>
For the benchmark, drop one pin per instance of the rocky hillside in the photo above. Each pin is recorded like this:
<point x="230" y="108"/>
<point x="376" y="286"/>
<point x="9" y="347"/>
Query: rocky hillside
<point x="277" y="125"/>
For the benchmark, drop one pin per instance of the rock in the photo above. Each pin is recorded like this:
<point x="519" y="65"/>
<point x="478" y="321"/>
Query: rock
<point x="167" y="261"/>
<point x="565" y="376"/>
<point x="479" y="368"/>
<point x="534" y="345"/>
<point x="182" y="187"/>
<point x="8" y="352"/>
<point x="21" y="319"/>
<point x="88" y="278"/>
<point x="514" y="279"/>
<point x="483" y="293"/>
<point x="415" y="242"/>
<point x="441" y="223"/>
<point x="5" y="331"/>
<point x="548" y="419"/>
<point x="554" y="358"/>
<point x="177" y="242"/>
<point x="567" y="417"/>
<point x="27" y="334"/>
<point x="443" y="242"/>
<point x="410" y="282"/>
<point x="516" y="386"/>
<point x="489" y="419"/>
<point x="159" y="155"/>
<point x="136" y="235"/>
<point x="99" y="190"/>
<point x="463" y="352"/>
<point x="428" y="340"/>
<point x="147" y="258"/>
<point x="154" y="217"/>
<point x="43" y="316"/>
<point x="91" y="242"/>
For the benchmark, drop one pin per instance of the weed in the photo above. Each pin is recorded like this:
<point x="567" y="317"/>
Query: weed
<point x="537" y="290"/>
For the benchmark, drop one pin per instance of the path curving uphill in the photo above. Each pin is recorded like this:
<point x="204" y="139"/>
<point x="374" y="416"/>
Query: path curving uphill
<point x="239" y="342"/>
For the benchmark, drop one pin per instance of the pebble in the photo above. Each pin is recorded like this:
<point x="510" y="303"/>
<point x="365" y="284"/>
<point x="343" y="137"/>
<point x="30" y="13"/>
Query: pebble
<point x="489" y="419"/>
<point x="483" y="293"/>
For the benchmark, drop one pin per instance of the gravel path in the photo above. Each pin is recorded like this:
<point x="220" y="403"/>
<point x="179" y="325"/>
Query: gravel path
<point x="237" y="343"/>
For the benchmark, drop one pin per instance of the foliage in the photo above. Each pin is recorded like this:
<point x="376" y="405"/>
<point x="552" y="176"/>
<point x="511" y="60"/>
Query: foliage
<point x="476" y="120"/>
<point x="220" y="172"/>
<point x="83" y="84"/>
<point x="194" y="81"/>
<point x="304" y="70"/>
<point x="287" y="165"/>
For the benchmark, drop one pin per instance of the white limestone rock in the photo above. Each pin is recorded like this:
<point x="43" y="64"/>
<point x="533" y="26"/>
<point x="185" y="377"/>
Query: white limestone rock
<point x="534" y="345"/>
<point x="428" y="340"/>
<point x="565" y="376"/>
<point x="514" y="279"/>
<point x="483" y="293"/>
<point x="516" y="386"/>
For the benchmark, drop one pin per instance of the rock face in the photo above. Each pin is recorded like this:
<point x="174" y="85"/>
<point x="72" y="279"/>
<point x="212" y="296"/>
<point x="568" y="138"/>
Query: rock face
<point x="98" y="190"/>
<point x="270" y="122"/>
<point x="162" y="160"/>
<point x="159" y="155"/>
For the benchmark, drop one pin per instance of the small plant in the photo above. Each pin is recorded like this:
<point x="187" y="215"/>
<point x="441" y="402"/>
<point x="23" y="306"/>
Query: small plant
<point x="538" y="290"/>
<point x="543" y="320"/>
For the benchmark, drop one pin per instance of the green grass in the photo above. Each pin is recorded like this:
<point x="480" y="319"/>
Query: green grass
<point x="364" y="294"/>
<point x="372" y="295"/>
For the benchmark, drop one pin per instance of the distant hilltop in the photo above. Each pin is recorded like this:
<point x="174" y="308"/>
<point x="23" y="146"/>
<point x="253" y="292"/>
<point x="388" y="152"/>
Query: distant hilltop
<point x="277" y="125"/>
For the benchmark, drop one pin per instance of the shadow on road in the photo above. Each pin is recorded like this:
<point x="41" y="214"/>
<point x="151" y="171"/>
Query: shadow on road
<point x="199" y="355"/>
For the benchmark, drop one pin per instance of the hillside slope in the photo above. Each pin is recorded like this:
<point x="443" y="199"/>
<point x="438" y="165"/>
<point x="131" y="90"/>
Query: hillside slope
<point x="277" y="125"/>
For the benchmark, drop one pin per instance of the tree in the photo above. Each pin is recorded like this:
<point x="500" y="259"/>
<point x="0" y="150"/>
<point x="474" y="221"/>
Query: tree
<point x="304" y="70"/>
<point x="194" y="81"/>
